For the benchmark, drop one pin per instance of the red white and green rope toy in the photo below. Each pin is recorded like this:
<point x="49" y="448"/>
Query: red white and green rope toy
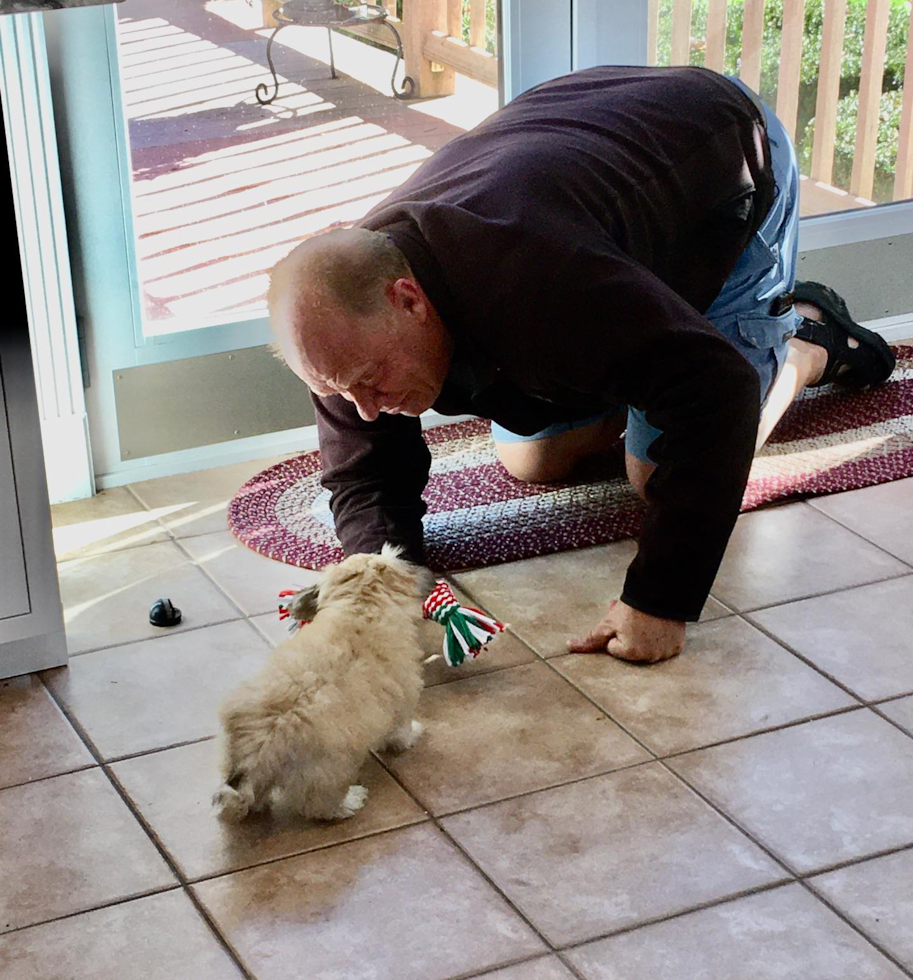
<point x="466" y="629"/>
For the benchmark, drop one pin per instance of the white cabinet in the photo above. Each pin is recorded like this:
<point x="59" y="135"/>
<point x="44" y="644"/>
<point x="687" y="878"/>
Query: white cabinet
<point x="31" y="619"/>
<point x="14" y="593"/>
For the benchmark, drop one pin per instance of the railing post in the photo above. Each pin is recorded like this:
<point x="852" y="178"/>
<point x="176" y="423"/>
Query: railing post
<point x="477" y="23"/>
<point x="420" y="18"/>
<point x="790" y="64"/>
<point x="874" y="45"/>
<point x="903" y="169"/>
<point x="652" y="30"/>
<point x="715" y="51"/>
<point x="822" y="167"/>
<point x="681" y="32"/>
<point x="752" y="41"/>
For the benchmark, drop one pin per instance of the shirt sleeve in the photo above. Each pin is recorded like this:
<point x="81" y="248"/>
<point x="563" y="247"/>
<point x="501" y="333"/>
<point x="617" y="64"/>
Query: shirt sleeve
<point x="375" y="472"/>
<point x="635" y="340"/>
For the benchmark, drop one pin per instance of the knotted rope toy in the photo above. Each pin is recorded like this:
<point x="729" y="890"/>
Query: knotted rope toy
<point x="466" y="629"/>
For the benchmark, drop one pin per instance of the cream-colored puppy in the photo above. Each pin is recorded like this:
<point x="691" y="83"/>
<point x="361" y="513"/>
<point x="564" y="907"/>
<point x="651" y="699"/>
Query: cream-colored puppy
<point x="296" y="735"/>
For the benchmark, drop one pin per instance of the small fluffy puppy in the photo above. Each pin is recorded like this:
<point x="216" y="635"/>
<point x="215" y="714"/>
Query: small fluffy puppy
<point x="296" y="735"/>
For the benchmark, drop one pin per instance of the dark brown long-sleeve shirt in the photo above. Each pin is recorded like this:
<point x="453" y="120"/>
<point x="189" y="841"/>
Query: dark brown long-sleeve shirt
<point x="570" y="244"/>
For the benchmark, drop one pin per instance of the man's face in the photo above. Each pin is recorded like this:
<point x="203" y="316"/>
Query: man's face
<point x="393" y="362"/>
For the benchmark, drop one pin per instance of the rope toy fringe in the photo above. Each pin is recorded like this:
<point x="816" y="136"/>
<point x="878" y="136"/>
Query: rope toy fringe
<point x="466" y="630"/>
<point x="293" y="625"/>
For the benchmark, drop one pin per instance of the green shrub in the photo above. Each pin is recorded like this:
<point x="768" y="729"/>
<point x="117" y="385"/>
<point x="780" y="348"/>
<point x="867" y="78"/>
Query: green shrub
<point x="851" y="65"/>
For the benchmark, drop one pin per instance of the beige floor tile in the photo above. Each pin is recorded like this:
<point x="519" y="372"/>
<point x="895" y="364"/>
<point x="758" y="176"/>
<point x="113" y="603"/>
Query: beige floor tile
<point x="816" y="794"/>
<point x="109" y="521"/>
<point x="106" y="599"/>
<point x="791" y="552"/>
<point x="252" y="581"/>
<point x="70" y="844"/>
<point x="505" y="733"/>
<point x="173" y="789"/>
<point x="900" y="711"/>
<point x="400" y="906"/>
<point x="158" y="693"/>
<point x="881" y="514"/>
<point x="730" y="681"/>
<point x="161" y="937"/>
<point x="778" y="934"/>
<point x="36" y="740"/>
<point x="197" y="503"/>
<point x="863" y="637"/>
<point x="609" y="852"/>
<point x="548" y="600"/>
<point x="546" y="968"/>
<point x="878" y="896"/>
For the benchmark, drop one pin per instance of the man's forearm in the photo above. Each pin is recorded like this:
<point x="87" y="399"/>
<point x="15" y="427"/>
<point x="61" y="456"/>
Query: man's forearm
<point x="375" y="472"/>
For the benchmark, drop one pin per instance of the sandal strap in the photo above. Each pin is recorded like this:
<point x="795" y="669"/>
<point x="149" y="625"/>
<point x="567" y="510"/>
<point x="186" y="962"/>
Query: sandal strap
<point x="867" y="365"/>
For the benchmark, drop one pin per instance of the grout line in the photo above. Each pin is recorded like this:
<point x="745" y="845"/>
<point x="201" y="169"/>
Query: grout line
<point x="490" y="971"/>
<point x="681" y="913"/>
<point x="435" y="821"/>
<point x="44" y="779"/>
<point x="877" y="702"/>
<point x="850" y="862"/>
<point x="827" y="903"/>
<point x="148" y="639"/>
<point x="818" y="595"/>
<point x="748" y="618"/>
<point x="807" y="719"/>
<point x="147" y="829"/>
<point x="217" y="584"/>
<point x="95" y="908"/>
<point x="890" y="720"/>
<point x="853" y="530"/>
<point x="307" y="851"/>
<point x="485" y="804"/>
<point x="115" y="759"/>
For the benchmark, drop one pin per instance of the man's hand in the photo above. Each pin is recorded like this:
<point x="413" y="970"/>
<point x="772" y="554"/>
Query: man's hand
<point x="629" y="634"/>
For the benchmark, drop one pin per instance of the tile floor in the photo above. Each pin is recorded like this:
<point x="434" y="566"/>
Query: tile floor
<point x="745" y="810"/>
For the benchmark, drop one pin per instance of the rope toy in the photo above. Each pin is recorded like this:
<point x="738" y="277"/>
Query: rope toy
<point x="466" y="630"/>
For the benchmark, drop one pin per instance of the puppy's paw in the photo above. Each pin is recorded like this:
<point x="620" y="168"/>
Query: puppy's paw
<point x="405" y="737"/>
<point x="352" y="802"/>
<point x="230" y="804"/>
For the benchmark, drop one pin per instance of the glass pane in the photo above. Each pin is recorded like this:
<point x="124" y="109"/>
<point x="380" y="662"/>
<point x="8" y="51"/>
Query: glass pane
<point x="224" y="186"/>
<point x="838" y="72"/>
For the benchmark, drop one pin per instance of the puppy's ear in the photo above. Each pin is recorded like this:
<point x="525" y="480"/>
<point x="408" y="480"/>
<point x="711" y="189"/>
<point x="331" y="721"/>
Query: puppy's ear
<point x="303" y="605"/>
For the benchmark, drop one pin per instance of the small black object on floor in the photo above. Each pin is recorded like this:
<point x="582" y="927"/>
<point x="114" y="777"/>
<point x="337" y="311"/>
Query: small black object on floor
<point x="164" y="613"/>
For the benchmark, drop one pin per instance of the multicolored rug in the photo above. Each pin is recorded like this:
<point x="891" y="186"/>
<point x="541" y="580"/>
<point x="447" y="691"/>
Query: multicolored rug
<point x="478" y="515"/>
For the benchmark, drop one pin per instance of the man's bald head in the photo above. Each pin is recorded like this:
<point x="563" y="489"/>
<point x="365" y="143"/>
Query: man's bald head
<point x="351" y="319"/>
<point x="349" y="269"/>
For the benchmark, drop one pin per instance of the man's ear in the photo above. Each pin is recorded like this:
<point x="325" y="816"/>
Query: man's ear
<point x="303" y="605"/>
<point x="406" y="295"/>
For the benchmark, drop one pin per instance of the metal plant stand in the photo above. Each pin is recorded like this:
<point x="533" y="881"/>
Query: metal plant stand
<point x="332" y="15"/>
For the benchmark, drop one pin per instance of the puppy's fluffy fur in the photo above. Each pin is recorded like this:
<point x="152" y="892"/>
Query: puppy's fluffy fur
<point x="296" y="735"/>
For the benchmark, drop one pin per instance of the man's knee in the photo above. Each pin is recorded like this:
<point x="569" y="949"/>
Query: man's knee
<point x="534" y="462"/>
<point x="638" y="473"/>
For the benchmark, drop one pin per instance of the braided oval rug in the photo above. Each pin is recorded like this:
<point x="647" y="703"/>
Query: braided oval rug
<point x="829" y="440"/>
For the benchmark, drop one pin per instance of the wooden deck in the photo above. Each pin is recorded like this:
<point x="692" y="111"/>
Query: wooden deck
<point x="224" y="187"/>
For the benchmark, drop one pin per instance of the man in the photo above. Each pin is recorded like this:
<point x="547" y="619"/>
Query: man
<point x="613" y="251"/>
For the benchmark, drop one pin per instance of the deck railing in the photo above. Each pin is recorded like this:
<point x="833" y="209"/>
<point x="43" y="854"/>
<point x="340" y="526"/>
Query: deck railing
<point x="821" y="63"/>
<point x="809" y="102"/>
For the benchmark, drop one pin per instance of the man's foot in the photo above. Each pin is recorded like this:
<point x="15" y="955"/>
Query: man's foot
<point x="855" y="357"/>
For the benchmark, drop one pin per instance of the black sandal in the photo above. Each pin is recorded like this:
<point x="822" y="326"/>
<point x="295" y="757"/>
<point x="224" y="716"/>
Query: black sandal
<point x="865" y="366"/>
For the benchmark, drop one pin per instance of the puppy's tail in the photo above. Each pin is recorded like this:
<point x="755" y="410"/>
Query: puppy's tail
<point x="234" y="799"/>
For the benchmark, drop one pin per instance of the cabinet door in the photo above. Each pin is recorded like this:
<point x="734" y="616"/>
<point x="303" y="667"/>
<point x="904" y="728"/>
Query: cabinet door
<point x="14" y="596"/>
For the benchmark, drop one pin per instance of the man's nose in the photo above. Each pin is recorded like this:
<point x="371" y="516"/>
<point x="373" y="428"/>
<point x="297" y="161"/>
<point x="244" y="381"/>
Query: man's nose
<point x="366" y="405"/>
